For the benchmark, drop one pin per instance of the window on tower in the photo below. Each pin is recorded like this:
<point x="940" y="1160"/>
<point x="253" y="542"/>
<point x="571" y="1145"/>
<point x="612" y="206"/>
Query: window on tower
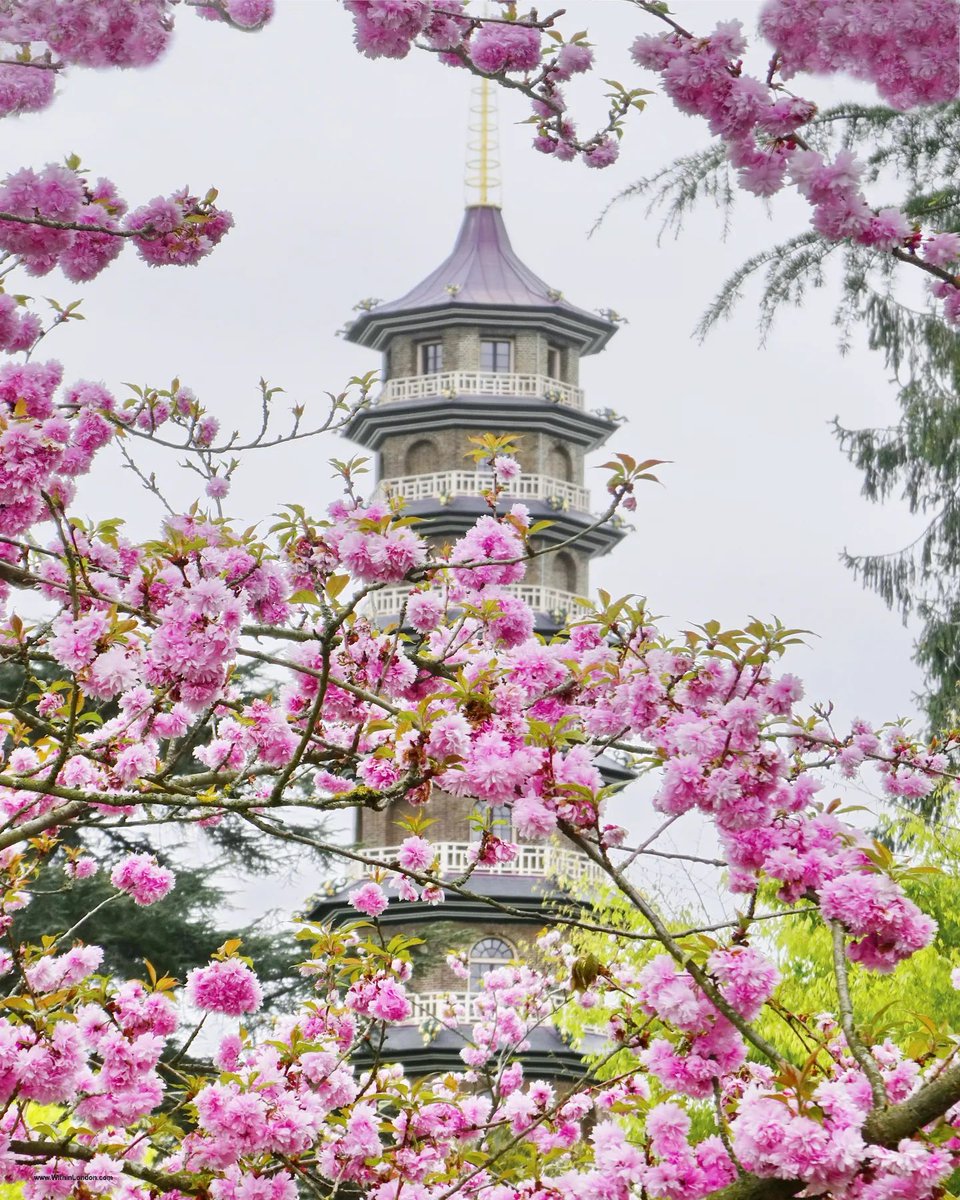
<point x="565" y="571"/>
<point x="431" y="358"/>
<point x="554" y="361"/>
<point x="496" y="355"/>
<point x="488" y="954"/>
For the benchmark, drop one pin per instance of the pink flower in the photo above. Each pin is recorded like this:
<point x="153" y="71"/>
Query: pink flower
<point x="217" y="487"/>
<point x="81" y="868"/>
<point x="227" y="987"/>
<point x="605" y="152"/>
<point x="573" y="58"/>
<point x="506" y="469"/>
<point x="532" y="817"/>
<point x="489" y="543"/>
<point x="23" y="89"/>
<point x="515" y="622"/>
<point x="169" y="238"/>
<point x="942" y="249"/>
<point x="135" y="761"/>
<point x="425" y="610"/>
<point x="746" y="978"/>
<point x="249" y="14"/>
<point x="886" y="926"/>
<point x="227" y="1056"/>
<point x="52" y="972"/>
<point x="369" y="898"/>
<point x="390" y="1001"/>
<point x="415" y="854"/>
<point x="498" y="47"/>
<point x="142" y="877"/>
<point x="89" y="253"/>
<point x="386" y="28"/>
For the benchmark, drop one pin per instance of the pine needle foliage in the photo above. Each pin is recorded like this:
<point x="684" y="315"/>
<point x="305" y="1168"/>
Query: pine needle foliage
<point x="917" y="458"/>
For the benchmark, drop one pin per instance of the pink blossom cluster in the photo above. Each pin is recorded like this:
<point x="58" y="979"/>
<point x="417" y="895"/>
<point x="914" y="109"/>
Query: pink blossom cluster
<point x="194" y="642"/>
<point x="228" y="987"/>
<point x="245" y="14"/>
<point x="179" y="230"/>
<point x="388" y="28"/>
<point x="142" y="877"/>
<point x="94" y="33"/>
<point x="703" y="76"/>
<point x="514" y="1000"/>
<point x="382" y="998"/>
<point x="369" y="899"/>
<point x="709" y="1046"/>
<point x="678" y="1170"/>
<point x="18" y="329"/>
<point x="46" y="441"/>
<point x="910" y="49"/>
<point x="492" y="47"/>
<point x="776" y="1140"/>
<point x="496" y="548"/>
<point x="371" y="545"/>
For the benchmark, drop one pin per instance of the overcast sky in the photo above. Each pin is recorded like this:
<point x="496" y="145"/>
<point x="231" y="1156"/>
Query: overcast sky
<point x="346" y="181"/>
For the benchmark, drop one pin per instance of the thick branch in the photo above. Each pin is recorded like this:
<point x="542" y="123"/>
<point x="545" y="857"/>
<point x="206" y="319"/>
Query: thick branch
<point x="884" y="1128"/>
<point x="49" y="1151"/>
<point x="890" y="1127"/>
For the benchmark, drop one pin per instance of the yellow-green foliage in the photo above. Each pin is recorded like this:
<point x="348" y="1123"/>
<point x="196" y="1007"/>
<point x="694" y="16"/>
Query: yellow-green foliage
<point x="915" y="1006"/>
<point x="905" y="1003"/>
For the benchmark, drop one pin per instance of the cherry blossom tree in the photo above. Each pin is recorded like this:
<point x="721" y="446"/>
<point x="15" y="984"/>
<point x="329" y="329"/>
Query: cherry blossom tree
<point x="131" y="710"/>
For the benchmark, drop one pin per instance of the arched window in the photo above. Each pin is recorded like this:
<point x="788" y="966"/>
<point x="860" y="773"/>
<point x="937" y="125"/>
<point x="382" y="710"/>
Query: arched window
<point x="488" y="954"/>
<point x="559" y="463"/>
<point x="420" y="458"/>
<point x="497" y="818"/>
<point x="565" y="571"/>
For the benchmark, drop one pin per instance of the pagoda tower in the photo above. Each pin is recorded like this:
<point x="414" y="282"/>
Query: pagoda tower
<point x="482" y="345"/>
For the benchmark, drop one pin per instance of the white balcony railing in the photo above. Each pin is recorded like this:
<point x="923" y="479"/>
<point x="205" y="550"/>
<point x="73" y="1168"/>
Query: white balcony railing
<point x="451" y="384"/>
<point x="440" y="1006"/>
<point x="388" y="601"/>
<point x="541" y="861"/>
<point x="445" y="484"/>
<point x="458" y="1008"/>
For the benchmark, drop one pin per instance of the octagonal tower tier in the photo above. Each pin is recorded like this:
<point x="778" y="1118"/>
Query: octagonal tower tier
<point x="484" y="345"/>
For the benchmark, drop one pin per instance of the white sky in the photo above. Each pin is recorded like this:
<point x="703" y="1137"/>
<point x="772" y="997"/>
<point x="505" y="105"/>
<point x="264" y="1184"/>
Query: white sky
<point x="346" y="181"/>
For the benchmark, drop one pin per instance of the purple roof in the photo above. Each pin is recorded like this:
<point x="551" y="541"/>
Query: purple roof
<point x="482" y="269"/>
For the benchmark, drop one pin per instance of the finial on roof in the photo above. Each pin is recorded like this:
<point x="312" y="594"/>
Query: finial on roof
<point x="483" y="180"/>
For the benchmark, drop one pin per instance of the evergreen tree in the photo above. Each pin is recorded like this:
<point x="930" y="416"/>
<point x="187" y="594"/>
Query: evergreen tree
<point x="918" y="457"/>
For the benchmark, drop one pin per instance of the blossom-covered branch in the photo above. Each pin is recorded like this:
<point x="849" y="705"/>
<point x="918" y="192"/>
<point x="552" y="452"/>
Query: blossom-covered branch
<point x="909" y="49"/>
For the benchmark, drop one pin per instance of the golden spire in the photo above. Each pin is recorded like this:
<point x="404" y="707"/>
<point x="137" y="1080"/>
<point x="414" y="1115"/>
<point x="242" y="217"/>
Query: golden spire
<point x="483" y="180"/>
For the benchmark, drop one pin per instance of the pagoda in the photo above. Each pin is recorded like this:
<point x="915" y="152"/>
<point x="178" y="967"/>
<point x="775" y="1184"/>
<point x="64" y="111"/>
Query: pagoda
<point x="482" y="345"/>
